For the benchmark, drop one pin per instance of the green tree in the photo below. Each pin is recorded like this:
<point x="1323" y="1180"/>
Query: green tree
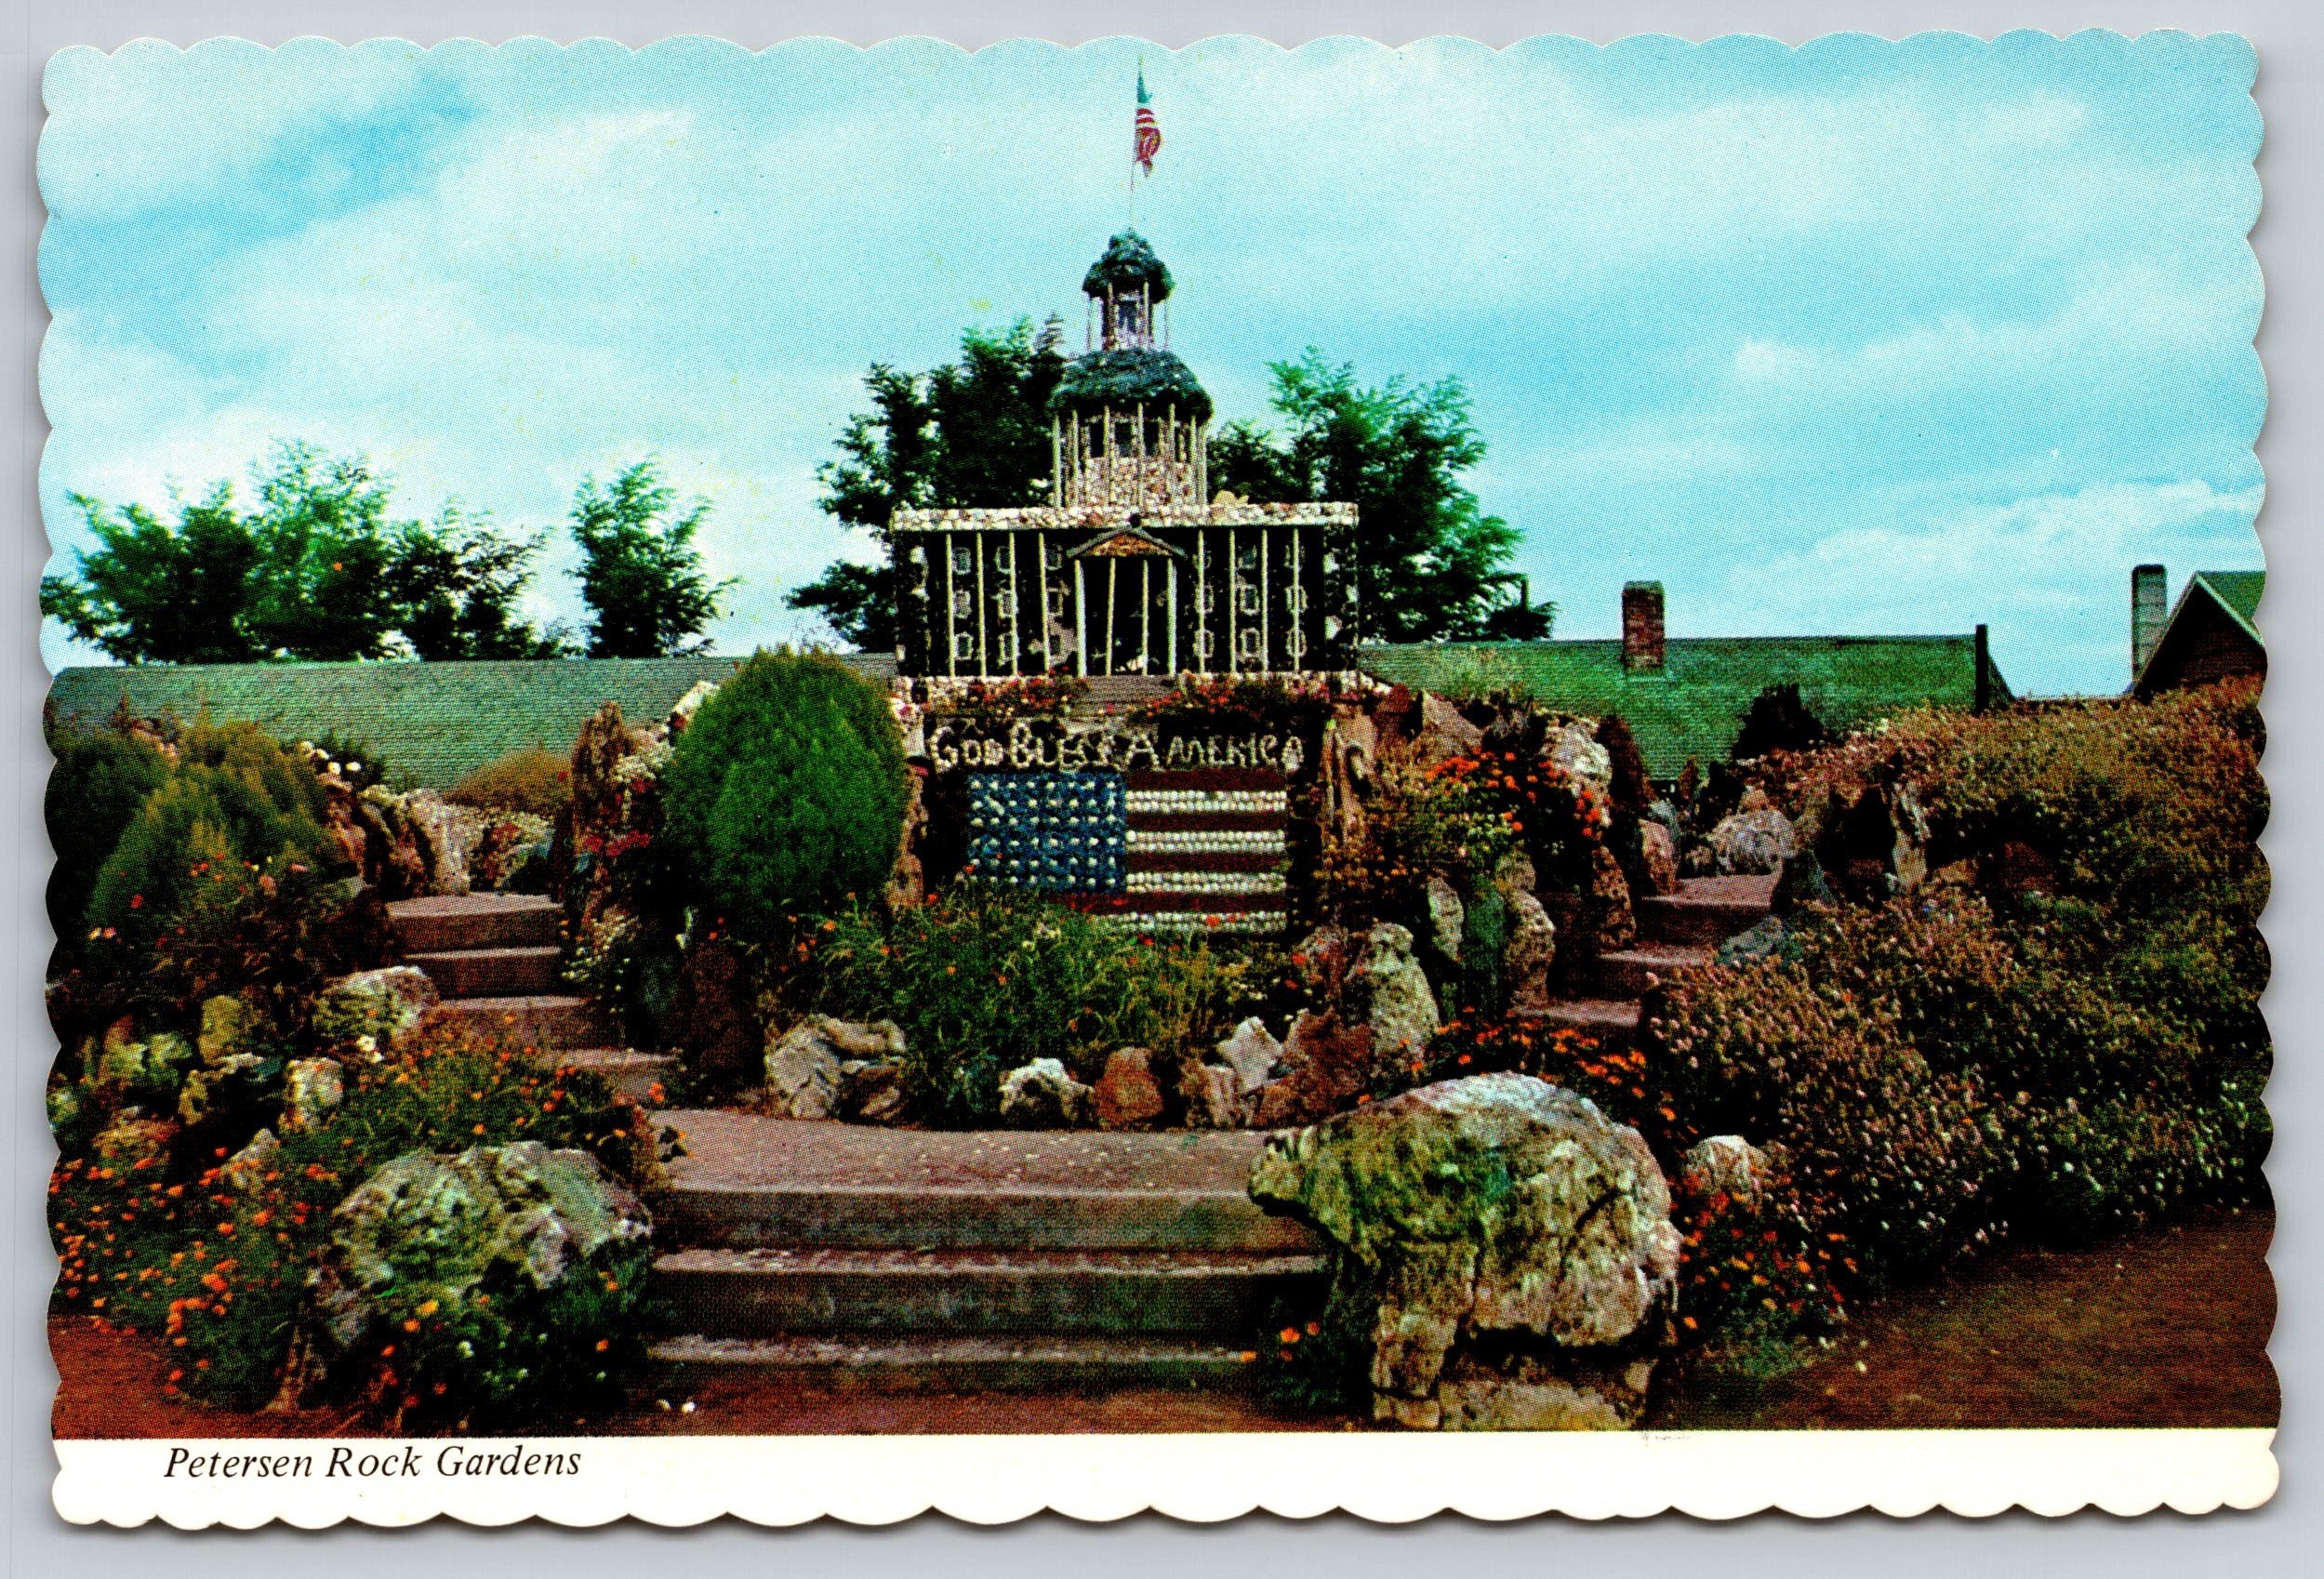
<point x="641" y="575"/>
<point x="456" y="584"/>
<point x="314" y="571"/>
<point x="1431" y="565"/>
<point x="971" y="433"/>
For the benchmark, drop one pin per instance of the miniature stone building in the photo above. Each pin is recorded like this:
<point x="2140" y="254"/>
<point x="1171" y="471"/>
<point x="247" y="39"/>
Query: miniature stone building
<point x="1132" y="577"/>
<point x="1132" y="567"/>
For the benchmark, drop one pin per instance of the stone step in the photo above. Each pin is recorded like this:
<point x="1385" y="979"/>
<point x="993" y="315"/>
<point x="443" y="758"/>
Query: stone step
<point x="1613" y="1021"/>
<point x="1705" y="909"/>
<point x="1632" y="973"/>
<point x="546" y="1020"/>
<point x="491" y="972"/>
<point x="446" y="922"/>
<point x="775" y="1214"/>
<point x="1005" y="1364"/>
<point x="732" y="1294"/>
<point x="638" y="1076"/>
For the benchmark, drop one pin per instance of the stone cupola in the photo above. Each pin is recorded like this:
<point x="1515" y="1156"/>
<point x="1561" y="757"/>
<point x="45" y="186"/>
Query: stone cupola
<point x="1128" y="419"/>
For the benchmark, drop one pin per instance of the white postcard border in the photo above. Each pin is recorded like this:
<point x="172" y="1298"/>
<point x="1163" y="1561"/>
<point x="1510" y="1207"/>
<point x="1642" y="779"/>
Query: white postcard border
<point x="1393" y="1479"/>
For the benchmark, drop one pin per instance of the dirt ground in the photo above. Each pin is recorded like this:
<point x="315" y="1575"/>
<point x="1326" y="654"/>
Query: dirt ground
<point x="2166" y="1327"/>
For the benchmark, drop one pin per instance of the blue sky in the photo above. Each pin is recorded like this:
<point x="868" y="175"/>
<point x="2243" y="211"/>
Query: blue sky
<point x="1855" y="338"/>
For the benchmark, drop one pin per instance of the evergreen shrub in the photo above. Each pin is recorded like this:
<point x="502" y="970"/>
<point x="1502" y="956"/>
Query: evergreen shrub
<point x="786" y="794"/>
<point x="236" y="801"/>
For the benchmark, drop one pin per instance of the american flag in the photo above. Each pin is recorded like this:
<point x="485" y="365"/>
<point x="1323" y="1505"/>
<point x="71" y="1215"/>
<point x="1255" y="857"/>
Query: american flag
<point x="1205" y="851"/>
<point x="1178" y="850"/>
<point x="1148" y="130"/>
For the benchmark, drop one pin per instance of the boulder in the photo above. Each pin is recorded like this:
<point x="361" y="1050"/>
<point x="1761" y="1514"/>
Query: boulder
<point x="1800" y="881"/>
<point x="1213" y="1097"/>
<point x="132" y="1139"/>
<point x="1446" y="916"/>
<point x="1521" y="1392"/>
<point x="1658" y="857"/>
<point x="1755" y="841"/>
<point x="124" y="1058"/>
<point x="205" y="1090"/>
<point x="1723" y="1165"/>
<point x="1575" y="748"/>
<point x="1529" y="947"/>
<point x="1044" y="1095"/>
<point x="872" y="1091"/>
<point x="1614" y="923"/>
<point x="228" y="1026"/>
<point x="1443" y="733"/>
<point x="1251" y="1053"/>
<point x="446" y="835"/>
<point x="312" y="1087"/>
<point x="1390" y="992"/>
<point x="1482" y="1218"/>
<point x="1327" y="1063"/>
<point x="1762" y="937"/>
<point x="245" y="1172"/>
<point x="804" y="1065"/>
<point x="446" y="1227"/>
<point x="386" y="1005"/>
<point x="1128" y="1096"/>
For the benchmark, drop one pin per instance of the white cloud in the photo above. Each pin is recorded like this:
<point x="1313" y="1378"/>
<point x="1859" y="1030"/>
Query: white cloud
<point x="153" y="125"/>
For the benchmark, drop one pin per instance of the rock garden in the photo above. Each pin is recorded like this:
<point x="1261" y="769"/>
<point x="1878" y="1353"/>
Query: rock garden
<point x="1455" y="1074"/>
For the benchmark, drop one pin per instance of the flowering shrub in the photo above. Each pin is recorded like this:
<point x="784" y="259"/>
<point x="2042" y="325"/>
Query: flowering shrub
<point x="984" y="979"/>
<point x="1908" y="1164"/>
<point x="1242" y="702"/>
<point x="216" y="1259"/>
<point x="1031" y="695"/>
<point x="1764" y="1262"/>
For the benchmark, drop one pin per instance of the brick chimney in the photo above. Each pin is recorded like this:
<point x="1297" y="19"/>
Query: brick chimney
<point x="1641" y="627"/>
<point x="2150" y="611"/>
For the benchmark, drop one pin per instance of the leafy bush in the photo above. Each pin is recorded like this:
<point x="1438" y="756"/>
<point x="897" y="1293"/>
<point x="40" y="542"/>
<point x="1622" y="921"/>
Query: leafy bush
<point x="787" y="792"/>
<point x="217" y="1261"/>
<point x="234" y="801"/>
<point x="1908" y="1164"/>
<point x="986" y="978"/>
<point x="532" y="779"/>
<point x="102" y="778"/>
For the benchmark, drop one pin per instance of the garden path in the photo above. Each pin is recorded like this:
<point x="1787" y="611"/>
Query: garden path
<point x="1675" y="930"/>
<point x="494" y="959"/>
<point x="839" y="1255"/>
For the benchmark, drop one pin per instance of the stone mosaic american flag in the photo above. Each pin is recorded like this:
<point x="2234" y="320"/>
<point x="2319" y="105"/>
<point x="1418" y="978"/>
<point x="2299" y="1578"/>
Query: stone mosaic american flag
<point x="1197" y="850"/>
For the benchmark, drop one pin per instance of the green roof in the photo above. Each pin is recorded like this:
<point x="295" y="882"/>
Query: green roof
<point x="1693" y="706"/>
<point x="1126" y="376"/>
<point x="2238" y="592"/>
<point x="436" y="723"/>
<point x="1127" y="263"/>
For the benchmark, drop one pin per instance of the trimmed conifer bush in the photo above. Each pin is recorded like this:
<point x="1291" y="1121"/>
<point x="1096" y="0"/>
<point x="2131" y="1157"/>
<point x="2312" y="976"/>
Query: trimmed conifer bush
<point x="787" y="792"/>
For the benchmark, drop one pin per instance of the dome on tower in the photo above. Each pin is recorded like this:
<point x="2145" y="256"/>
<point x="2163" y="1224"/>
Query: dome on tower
<point x="1126" y="264"/>
<point x="1126" y="368"/>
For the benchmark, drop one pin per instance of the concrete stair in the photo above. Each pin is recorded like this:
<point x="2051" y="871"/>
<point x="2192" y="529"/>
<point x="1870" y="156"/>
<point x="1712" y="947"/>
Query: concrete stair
<point x="906" y="1260"/>
<point x="1677" y="932"/>
<point x="947" y="1291"/>
<point x="494" y="957"/>
<point x="987" y="1363"/>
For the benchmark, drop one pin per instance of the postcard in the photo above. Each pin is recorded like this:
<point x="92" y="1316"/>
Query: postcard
<point x="840" y="780"/>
